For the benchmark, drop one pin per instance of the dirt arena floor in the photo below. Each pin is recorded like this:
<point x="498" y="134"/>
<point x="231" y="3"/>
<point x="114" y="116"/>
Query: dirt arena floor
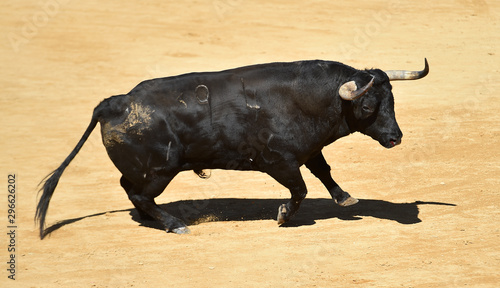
<point x="428" y="214"/>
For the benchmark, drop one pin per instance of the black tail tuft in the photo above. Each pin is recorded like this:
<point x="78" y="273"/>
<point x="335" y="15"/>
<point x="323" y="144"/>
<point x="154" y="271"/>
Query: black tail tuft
<point x="48" y="190"/>
<point x="49" y="185"/>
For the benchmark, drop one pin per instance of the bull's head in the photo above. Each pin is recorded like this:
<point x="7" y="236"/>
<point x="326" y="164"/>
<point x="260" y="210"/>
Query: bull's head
<point x="373" y="113"/>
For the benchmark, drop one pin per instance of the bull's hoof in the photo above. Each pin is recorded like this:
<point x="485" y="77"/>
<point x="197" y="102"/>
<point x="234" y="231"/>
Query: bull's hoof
<point x="347" y="200"/>
<point x="180" y="230"/>
<point x="282" y="218"/>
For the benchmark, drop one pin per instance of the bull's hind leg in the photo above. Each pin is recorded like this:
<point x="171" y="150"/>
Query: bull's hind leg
<point x="321" y="170"/>
<point x="142" y="196"/>
<point x="127" y="185"/>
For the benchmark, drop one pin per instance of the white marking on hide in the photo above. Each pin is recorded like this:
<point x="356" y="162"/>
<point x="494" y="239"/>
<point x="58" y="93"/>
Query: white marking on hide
<point x="253" y="106"/>
<point x="202" y="94"/>
<point x="168" y="149"/>
<point x="182" y="101"/>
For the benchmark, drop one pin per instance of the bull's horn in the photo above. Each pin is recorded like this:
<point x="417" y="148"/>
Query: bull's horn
<point x="408" y="75"/>
<point x="349" y="90"/>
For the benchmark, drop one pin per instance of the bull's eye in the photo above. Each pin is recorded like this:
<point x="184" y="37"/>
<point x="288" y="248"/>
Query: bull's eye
<point x="367" y="109"/>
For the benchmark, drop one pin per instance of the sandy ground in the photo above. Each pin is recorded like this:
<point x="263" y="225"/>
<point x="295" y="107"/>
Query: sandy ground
<point x="428" y="215"/>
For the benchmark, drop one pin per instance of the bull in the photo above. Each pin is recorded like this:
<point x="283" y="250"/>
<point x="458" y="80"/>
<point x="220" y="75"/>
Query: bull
<point x="200" y="121"/>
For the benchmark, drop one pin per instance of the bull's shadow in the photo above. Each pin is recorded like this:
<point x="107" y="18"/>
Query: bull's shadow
<point x="194" y="212"/>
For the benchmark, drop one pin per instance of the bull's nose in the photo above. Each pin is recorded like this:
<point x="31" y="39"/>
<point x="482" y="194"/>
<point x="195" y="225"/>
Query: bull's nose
<point x="396" y="138"/>
<point x="395" y="142"/>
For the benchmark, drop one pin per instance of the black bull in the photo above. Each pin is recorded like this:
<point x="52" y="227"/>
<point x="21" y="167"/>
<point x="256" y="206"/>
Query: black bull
<point x="208" y="120"/>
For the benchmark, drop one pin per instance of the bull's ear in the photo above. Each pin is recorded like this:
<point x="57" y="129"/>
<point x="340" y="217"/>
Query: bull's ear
<point x="350" y="91"/>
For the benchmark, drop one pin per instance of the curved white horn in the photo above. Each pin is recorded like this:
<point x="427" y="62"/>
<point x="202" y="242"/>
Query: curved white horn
<point x="349" y="90"/>
<point x="408" y="75"/>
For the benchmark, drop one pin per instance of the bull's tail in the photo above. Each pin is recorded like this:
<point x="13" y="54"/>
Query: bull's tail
<point x="50" y="182"/>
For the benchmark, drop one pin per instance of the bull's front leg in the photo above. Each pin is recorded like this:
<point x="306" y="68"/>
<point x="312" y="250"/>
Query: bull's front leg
<point x="321" y="170"/>
<point x="286" y="211"/>
<point x="291" y="178"/>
